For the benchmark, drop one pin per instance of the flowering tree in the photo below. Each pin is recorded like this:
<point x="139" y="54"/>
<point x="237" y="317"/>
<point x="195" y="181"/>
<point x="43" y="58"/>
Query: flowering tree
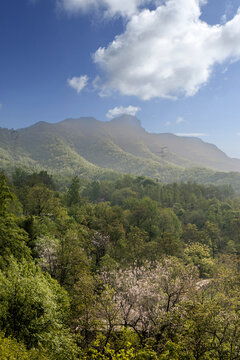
<point x="146" y="298"/>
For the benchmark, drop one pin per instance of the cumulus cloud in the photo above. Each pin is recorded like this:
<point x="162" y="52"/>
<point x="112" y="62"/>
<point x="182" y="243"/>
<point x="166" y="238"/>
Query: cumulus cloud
<point x="192" y="134"/>
<point x="167" y="52"/>
<point x="117" y="111"/>
<point x="78" y="83"/>
<point x="111" y="7"/>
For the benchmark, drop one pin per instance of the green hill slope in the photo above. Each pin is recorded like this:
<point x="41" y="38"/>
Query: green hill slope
<point x="94" y="149"/>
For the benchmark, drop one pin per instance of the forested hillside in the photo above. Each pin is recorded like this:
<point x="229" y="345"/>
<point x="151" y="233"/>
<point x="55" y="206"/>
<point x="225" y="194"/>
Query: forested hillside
<point x="99" y="150"/>
<point x="127" y="269"/>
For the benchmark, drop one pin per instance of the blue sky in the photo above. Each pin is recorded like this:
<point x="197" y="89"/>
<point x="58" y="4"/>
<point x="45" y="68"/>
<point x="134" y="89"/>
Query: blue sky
<point x="175" y="63"/>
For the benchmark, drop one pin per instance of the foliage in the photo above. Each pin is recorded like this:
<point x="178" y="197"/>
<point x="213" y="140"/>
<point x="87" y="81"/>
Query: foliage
<point x="127" y="268"/>
<point x="33" y="307"/>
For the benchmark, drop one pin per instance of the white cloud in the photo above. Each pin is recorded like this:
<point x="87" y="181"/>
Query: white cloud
<point x="179" y="120"/>
<point x="78" y="83"/>
<point x="111" y="7"/>
<point x="224" y="19"/>
<point x="73" y="6"/>
<point x="117" y="111"/>
<point x="192" y="134"/>
<point x="228" y="11"/>
<point x="168" y="52"/>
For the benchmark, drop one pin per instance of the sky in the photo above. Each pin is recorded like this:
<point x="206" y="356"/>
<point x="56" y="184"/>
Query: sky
<point x="175" y="64"/>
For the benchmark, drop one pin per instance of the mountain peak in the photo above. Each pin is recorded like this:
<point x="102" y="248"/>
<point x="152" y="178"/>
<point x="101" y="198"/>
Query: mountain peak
<point x="118" y="145"/>
<point x="128" y="120"/>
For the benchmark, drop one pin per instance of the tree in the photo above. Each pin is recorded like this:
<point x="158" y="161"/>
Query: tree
<point x="41" y="201"/>
<point x="34" y="309"/>
<point x="136" y="246"/>
<point x="169" y="233"/>
<point x="73" y="196"/>
<point x="144" y="213"/>
<point x="12" y="238"/>
<point x="148" y="297"/>
<point x="213" y="233"/>
<point x="199" y="255"/>
<point x="11" y="349"/>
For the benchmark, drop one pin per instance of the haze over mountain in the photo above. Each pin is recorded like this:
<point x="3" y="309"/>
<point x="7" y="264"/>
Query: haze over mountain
<point x="90" y="147"/>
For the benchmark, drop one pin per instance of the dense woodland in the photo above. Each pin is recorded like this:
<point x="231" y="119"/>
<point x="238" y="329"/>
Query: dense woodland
<point x="123" y="269"/>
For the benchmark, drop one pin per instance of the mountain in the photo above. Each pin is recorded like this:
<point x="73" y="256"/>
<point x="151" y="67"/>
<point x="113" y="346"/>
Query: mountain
<point x="93" y="148"/>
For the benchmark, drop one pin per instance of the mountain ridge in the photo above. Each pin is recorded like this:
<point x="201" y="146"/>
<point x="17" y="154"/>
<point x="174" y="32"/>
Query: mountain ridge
<point x="91" y="147"/>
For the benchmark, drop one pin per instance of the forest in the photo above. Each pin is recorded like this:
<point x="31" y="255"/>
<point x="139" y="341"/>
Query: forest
<point x="123" y="269"/>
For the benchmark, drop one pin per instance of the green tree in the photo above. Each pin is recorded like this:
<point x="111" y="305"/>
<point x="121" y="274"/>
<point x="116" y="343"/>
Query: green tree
<point x="144" y="213"/>
<point x="199" y="255"/>
<point x="169" y="233"/>
<point x="34" y="309"/>
<point x="73" y="196"/>
<point x="136" y="246"/>
<point x="40" y="201"/>
<point x="12" y="238"/>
